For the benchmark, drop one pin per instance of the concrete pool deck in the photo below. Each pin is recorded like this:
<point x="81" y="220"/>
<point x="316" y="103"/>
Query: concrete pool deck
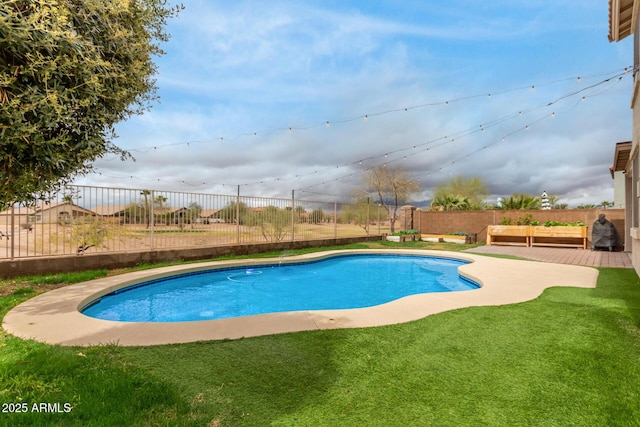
<point x="54" y="317"/>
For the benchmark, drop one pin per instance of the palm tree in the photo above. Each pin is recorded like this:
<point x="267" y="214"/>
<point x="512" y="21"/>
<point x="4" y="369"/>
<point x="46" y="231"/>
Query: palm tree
<point x="586" y="206"/>
<point x="451" y="203"/>
<point x="521" y="201"/>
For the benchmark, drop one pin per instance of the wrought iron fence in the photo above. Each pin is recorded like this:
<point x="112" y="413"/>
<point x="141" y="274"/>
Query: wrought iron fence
<point x="84" y="219"/>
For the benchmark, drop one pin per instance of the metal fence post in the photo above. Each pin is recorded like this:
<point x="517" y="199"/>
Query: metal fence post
<point x="368" y="216"/>
<point x="293" y="215"/>
<point x="335" y="220"/>
<point x="152" y="221"/>
<point x="238" y="216"/>
<point x="13" y="230"/>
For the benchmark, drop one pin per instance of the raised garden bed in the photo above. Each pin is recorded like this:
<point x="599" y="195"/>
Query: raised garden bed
<point x="571" y="236"/>
<point x="538" y="235"/>
<point x="508" y="235"/>
<point x="451" y="238"/>
<point x="403" y="236"/>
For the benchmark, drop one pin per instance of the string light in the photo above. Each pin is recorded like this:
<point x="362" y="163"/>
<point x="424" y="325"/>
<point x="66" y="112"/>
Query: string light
<point x="616" y="74"/>
<point x="414" y="146"/>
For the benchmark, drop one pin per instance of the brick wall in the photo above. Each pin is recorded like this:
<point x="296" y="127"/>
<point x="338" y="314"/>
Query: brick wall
<point x="476" y="222"/>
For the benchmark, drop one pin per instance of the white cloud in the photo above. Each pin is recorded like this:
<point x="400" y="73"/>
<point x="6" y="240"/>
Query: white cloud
<point x="238" y="68"/>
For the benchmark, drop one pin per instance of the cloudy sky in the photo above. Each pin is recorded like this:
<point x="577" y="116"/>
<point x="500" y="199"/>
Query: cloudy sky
<point x="289" y="95"/>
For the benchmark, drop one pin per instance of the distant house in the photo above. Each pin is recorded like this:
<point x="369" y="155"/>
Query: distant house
<point x="110" y="211"/>
<point x="210" y="215"/>
<point x="45" y="213"/>
<point x="623" y="22"/>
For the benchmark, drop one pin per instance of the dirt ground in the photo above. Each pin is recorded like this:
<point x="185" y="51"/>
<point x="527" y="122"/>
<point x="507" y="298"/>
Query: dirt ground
<point x="56" y="239"/>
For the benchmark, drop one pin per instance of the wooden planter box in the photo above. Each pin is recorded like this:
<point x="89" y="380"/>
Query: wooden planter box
<point x="571" y="236"/>
<point x="537" y="235"/>
<point x="508" y="235"/>
<point x="405" y="238"/>
<point x="451" y="238"/>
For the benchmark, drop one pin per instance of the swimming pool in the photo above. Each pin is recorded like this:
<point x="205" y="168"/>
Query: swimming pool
<point x="340" y="282"/>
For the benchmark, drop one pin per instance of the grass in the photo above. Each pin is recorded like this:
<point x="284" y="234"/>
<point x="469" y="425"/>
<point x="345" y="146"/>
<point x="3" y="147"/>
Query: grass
<point x="570" y="357"/>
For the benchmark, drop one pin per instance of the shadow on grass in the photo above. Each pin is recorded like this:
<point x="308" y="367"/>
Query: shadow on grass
<point x="250" y="381"/>
<point x="91" y="386"/>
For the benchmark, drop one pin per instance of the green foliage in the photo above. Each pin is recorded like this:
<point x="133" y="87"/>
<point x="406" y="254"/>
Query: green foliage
<point x="69" y="71"/>
<point x="451" y="203"/>
<point x="472" y="190"/>
<point x="234" y="212"/>
<point x="358" y="213"/>
<point x="274" y="223"/>
<point x="88" y="231"/>
<point x="521" y="201"/>
<point x="557" y="223"/>
<point x="523" y="220"/>
<point x="406" y="233"/>
<point x="528" y="220"/>
<point x="317" y="216"/>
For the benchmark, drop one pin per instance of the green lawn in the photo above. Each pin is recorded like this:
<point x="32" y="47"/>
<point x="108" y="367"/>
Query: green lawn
<point x="570" y="357"/>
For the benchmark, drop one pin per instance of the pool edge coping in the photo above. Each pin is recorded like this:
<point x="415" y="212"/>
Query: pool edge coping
<point x="54" y="318"/>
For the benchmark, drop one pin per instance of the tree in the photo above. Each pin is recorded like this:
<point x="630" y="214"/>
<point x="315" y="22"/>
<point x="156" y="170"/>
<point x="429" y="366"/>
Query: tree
<point x="358" y="213"/>
<point x="606" y="204"/>
<point x="587" y="206"/>
<point x="317" y="216"/>
<point x="473" y="190"/>
<point x="451" y="203"/>
<point x="391" y="187"/>
<point x="520" y="201"/>
<point x="87" y="232"/>
<point x="274" y="223"/>
<point x="69" y="71"/>
<point x="230" y="212"/>
<point x="194" y="211"/>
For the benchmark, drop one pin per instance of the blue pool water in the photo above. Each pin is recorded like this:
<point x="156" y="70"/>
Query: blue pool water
<point x="340" y="282"/>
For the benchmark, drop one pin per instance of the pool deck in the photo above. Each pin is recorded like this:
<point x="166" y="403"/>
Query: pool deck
<point x="572" y="256"/>
<point x="54" y="317"/>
